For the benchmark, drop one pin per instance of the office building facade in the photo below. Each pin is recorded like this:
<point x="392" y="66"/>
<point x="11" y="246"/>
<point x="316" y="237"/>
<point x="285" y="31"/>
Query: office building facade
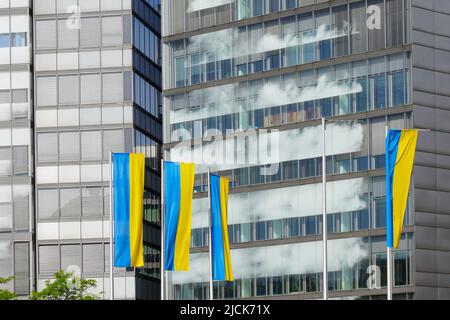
<point x="80" y="79"/>
<point x="245" y="85"/>
<point x="16" y="146"/>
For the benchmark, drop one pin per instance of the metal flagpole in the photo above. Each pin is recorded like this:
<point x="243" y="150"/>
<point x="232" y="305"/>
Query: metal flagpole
<point x="211" y="291"/>
<point x="163" y="220"/>
<point x="324" y="213"/>
<point x="389" y="257"/>
<point x="111" y="228"/>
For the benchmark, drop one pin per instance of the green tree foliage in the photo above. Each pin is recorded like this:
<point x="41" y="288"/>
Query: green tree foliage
<point x="6" y="294"/>
<point x="66" y="287"/>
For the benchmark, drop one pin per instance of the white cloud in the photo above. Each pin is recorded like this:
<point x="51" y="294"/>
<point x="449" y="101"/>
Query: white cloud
<point x="298" y="258"/>
<point x="297" y="201"/>
<point x="222" y="100"/>
<point x="295" y="144"/>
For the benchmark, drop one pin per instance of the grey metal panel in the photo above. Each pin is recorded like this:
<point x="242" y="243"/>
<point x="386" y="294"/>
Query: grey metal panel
<point x="442" y="5"/>
<point x="426" y="141"/>
<point x="423" y="56"/>
<point x="443" y="280"/>
<point x="443" y="179"/>
<point x="426" y="279"/>
<point x="426" y="260"/>
<point x="443" y="261"/>
<point x="426" y="219"/>
<point x="426" y="293"/>
<point x="425" y="237"/>
<point x="442" y="83"/>
<point x="443" y="293"/>
<point x="424" y="79"/>
<point x="443" y="239"/>
<point x="441" y="24"/>
<point x="424" y="117"/>
<point x="424" y="177"/>
<point x="425" y="159"/>
<point x="442" y="60"/>
<point x="424" y="98"/>
<point x="442" y="102"/>
<point x="422" y="19"/>
<point x="420" y="37"/>
<point x="443" y="220"/>
<point x="425" y="200"/>
<point x="423" y="4"/>
<point x="442" y="202"/>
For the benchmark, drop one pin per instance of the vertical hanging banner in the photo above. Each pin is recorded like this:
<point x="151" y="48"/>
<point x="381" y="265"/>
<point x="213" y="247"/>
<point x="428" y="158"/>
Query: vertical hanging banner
<point x="220" y="245"/>
<point x="400" y="152"/>
<point x="128" y="181"/>
<point x="178" y="191"/>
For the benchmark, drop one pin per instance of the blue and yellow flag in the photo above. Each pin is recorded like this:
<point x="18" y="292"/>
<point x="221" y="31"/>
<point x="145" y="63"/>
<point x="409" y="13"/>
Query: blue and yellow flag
<point x="400" y="151"/>
<point x="129" y="171"/>
<point x="220" y="246"/>
<point x="178" y="190"/>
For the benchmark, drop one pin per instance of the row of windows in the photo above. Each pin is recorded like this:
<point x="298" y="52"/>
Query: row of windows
<point x="13" y="161"/>
<point x="205" y="15"/>
<point x="152" y="263"/>
<point x="89" y="258"/>
<point x="86" y="202"/>
<point x="89" y="32"/>
<point x="294" y="170"/>
<point x="348" y="278"/>
<point x="16" y="39"/>
<point x="147" y="96"/>
<point x="151" y="149"/>
<point x="336" y="90"/>
<point x="80" y="146"/>
<point x="147" y="42"/>
<point x="360" y="220"/>
<point x="278" y="44"/>
<point x="15" y="261"/>
<point x="14" y="207"/>
<point x="378" y="92"/>
<point x="84" y="89"/>
<point x="89" y="116"/>
<point x="64" y="6"/>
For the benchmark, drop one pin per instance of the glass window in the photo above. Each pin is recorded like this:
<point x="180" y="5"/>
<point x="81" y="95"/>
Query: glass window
<point x="46" y="91"/>
<point x="20" y="159"/>
<point x="4" y="40"/>
<point x="70" y="202"/>
<point x="49" y="259"/>
<point x="19" y="39"/>
<point x="361" y="97"/>
<point x="90" y="88"/>
<point x="5" y="161"/>
<point x="379" y="92"/>
<point x="91" y="145"/>
<point x="113" y="140"/>
<point x="67" y="34"/>
<point x="310" y="225"/>
<point x="90" y="32"/>
<point x="311" y="282"/>
<point x="112" y="87"/>
<point x="92" y="201"/>
<point x="45" y="34"/>
<point x="93" y="258"/>
<point x="380" y="212"/>
<point x="68" y="90"/>
<point x="295" y="285"/>
<point x="112" y="33"/>
<point x="69" y="146"/>
<point x="257" y="7"/>
<point x="19" y="95"/>
<point x="277" y="285"/>
<point x="48" y="204"/>
<point x="398" y="88"/>
<point x="261" y="286"/>
<point x="47" y="145"/>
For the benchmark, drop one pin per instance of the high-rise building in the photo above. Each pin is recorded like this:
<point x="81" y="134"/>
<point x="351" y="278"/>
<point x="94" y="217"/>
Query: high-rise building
<point x="16" y="146"/>
<point x="245" y="85"/>
<point x="78" y="79"/>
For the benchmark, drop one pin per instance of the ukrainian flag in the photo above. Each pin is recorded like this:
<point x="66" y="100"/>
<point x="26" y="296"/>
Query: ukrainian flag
<point x="128" y="181"/>
<point x="400" y="151"/>
<point x="178" y="190"/>
<point x="220" y="246"/>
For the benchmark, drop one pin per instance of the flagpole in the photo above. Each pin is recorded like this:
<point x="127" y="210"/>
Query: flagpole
<point x="211" y="291"/>
<point x="111" y="228"/>
<point x="389" y="256"/>
<point x="163" y="220"/>
<point x="324" y="213"/>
